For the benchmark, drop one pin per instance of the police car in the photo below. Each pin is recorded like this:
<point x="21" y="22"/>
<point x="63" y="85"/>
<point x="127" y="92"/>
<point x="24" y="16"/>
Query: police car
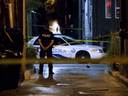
<point x="68" y="47"/>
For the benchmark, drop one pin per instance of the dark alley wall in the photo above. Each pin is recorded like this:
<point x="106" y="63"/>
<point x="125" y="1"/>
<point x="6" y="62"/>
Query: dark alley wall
<point x="101" y="24"/>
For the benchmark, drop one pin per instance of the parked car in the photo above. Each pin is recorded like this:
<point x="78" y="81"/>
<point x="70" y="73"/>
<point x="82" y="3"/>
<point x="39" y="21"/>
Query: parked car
<point x="68" y="47"/>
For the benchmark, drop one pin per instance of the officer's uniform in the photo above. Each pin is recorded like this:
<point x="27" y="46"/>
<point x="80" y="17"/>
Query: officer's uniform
<point x="46" y="38"/>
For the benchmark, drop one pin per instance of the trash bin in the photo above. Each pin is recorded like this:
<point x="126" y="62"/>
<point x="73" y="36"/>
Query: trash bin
<point x="16" y="36"/>
<point x="12" y="40"/>
<point x="10" y="76"/>
<point x="10" y="72"/>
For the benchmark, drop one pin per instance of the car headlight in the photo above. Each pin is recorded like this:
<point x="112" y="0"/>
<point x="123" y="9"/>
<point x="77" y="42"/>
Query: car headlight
<point x="97" y="50"/>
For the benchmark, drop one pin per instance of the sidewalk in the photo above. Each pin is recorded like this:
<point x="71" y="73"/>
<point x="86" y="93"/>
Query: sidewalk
<point x="71" y="80"/>
<point x="119" y="77"/>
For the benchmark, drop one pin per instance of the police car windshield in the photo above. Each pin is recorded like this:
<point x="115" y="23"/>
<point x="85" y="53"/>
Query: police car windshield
<point x="71" y="41"/>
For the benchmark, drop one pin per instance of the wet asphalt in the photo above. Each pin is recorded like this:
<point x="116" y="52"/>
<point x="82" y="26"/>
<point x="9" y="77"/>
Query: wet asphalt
<point x="72" y="80"/>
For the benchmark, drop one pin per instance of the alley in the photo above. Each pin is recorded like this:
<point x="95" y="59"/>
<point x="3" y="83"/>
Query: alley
<point x="72" y="80"/>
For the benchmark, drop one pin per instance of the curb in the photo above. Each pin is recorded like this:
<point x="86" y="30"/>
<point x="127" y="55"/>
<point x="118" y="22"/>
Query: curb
<point x="119" y="77"/>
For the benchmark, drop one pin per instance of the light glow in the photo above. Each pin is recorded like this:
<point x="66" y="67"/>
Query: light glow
<point x="54" y="27"/>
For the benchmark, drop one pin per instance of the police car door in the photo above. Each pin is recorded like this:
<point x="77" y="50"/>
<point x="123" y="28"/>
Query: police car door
<point x="60" y="48"/>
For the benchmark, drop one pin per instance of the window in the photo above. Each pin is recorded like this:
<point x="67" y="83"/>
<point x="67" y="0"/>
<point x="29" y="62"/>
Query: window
<point x="117" y="9"/>
<point x="58" y="41"/>
<point x="72" y="41"/>
<point x="108" y="8"/>
<point x="36" y="42"/>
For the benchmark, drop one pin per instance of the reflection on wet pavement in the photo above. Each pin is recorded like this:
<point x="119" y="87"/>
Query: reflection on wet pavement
<point x="73" y="80"/>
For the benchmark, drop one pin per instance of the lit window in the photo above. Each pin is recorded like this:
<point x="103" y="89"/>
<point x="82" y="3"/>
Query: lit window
<point x="117" y="9"/>
<point x="108" y="8"/>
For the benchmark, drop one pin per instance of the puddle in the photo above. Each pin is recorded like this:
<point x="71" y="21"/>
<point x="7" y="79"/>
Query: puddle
<point x="62" y="84"/>
<point x="80" y="92"/>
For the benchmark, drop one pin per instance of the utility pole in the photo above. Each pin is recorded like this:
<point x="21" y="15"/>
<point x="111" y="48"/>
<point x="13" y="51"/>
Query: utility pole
<point x="79" y="19"/>
<point x="124" y="35"/>
<point x="24" y="34"/>
<point x="83" y="20"/>
<point x="122" y="24"/>
<point x="66" y="13"/>
<point x="66" y="17"/>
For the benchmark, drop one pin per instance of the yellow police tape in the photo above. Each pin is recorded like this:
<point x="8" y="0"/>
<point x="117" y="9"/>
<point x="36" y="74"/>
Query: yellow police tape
<point x="78" y="41"/>
<point x="123" y="60"/>
<point x="105" y="35"/>
<point x="85" y="40"/>
<point x="73" y="28"/>
<point x="93" y="41"/>
<point x="60" y="28"/>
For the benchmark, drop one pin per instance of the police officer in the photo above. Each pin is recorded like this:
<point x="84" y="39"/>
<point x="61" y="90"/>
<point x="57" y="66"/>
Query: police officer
<point x="46" y="40"/>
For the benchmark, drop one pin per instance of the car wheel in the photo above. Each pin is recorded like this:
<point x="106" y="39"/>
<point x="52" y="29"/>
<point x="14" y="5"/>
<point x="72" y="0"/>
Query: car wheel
<point x="83" y="57"/>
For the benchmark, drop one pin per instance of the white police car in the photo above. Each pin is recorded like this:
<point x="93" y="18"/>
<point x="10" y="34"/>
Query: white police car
<point x="67" y="47"/>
